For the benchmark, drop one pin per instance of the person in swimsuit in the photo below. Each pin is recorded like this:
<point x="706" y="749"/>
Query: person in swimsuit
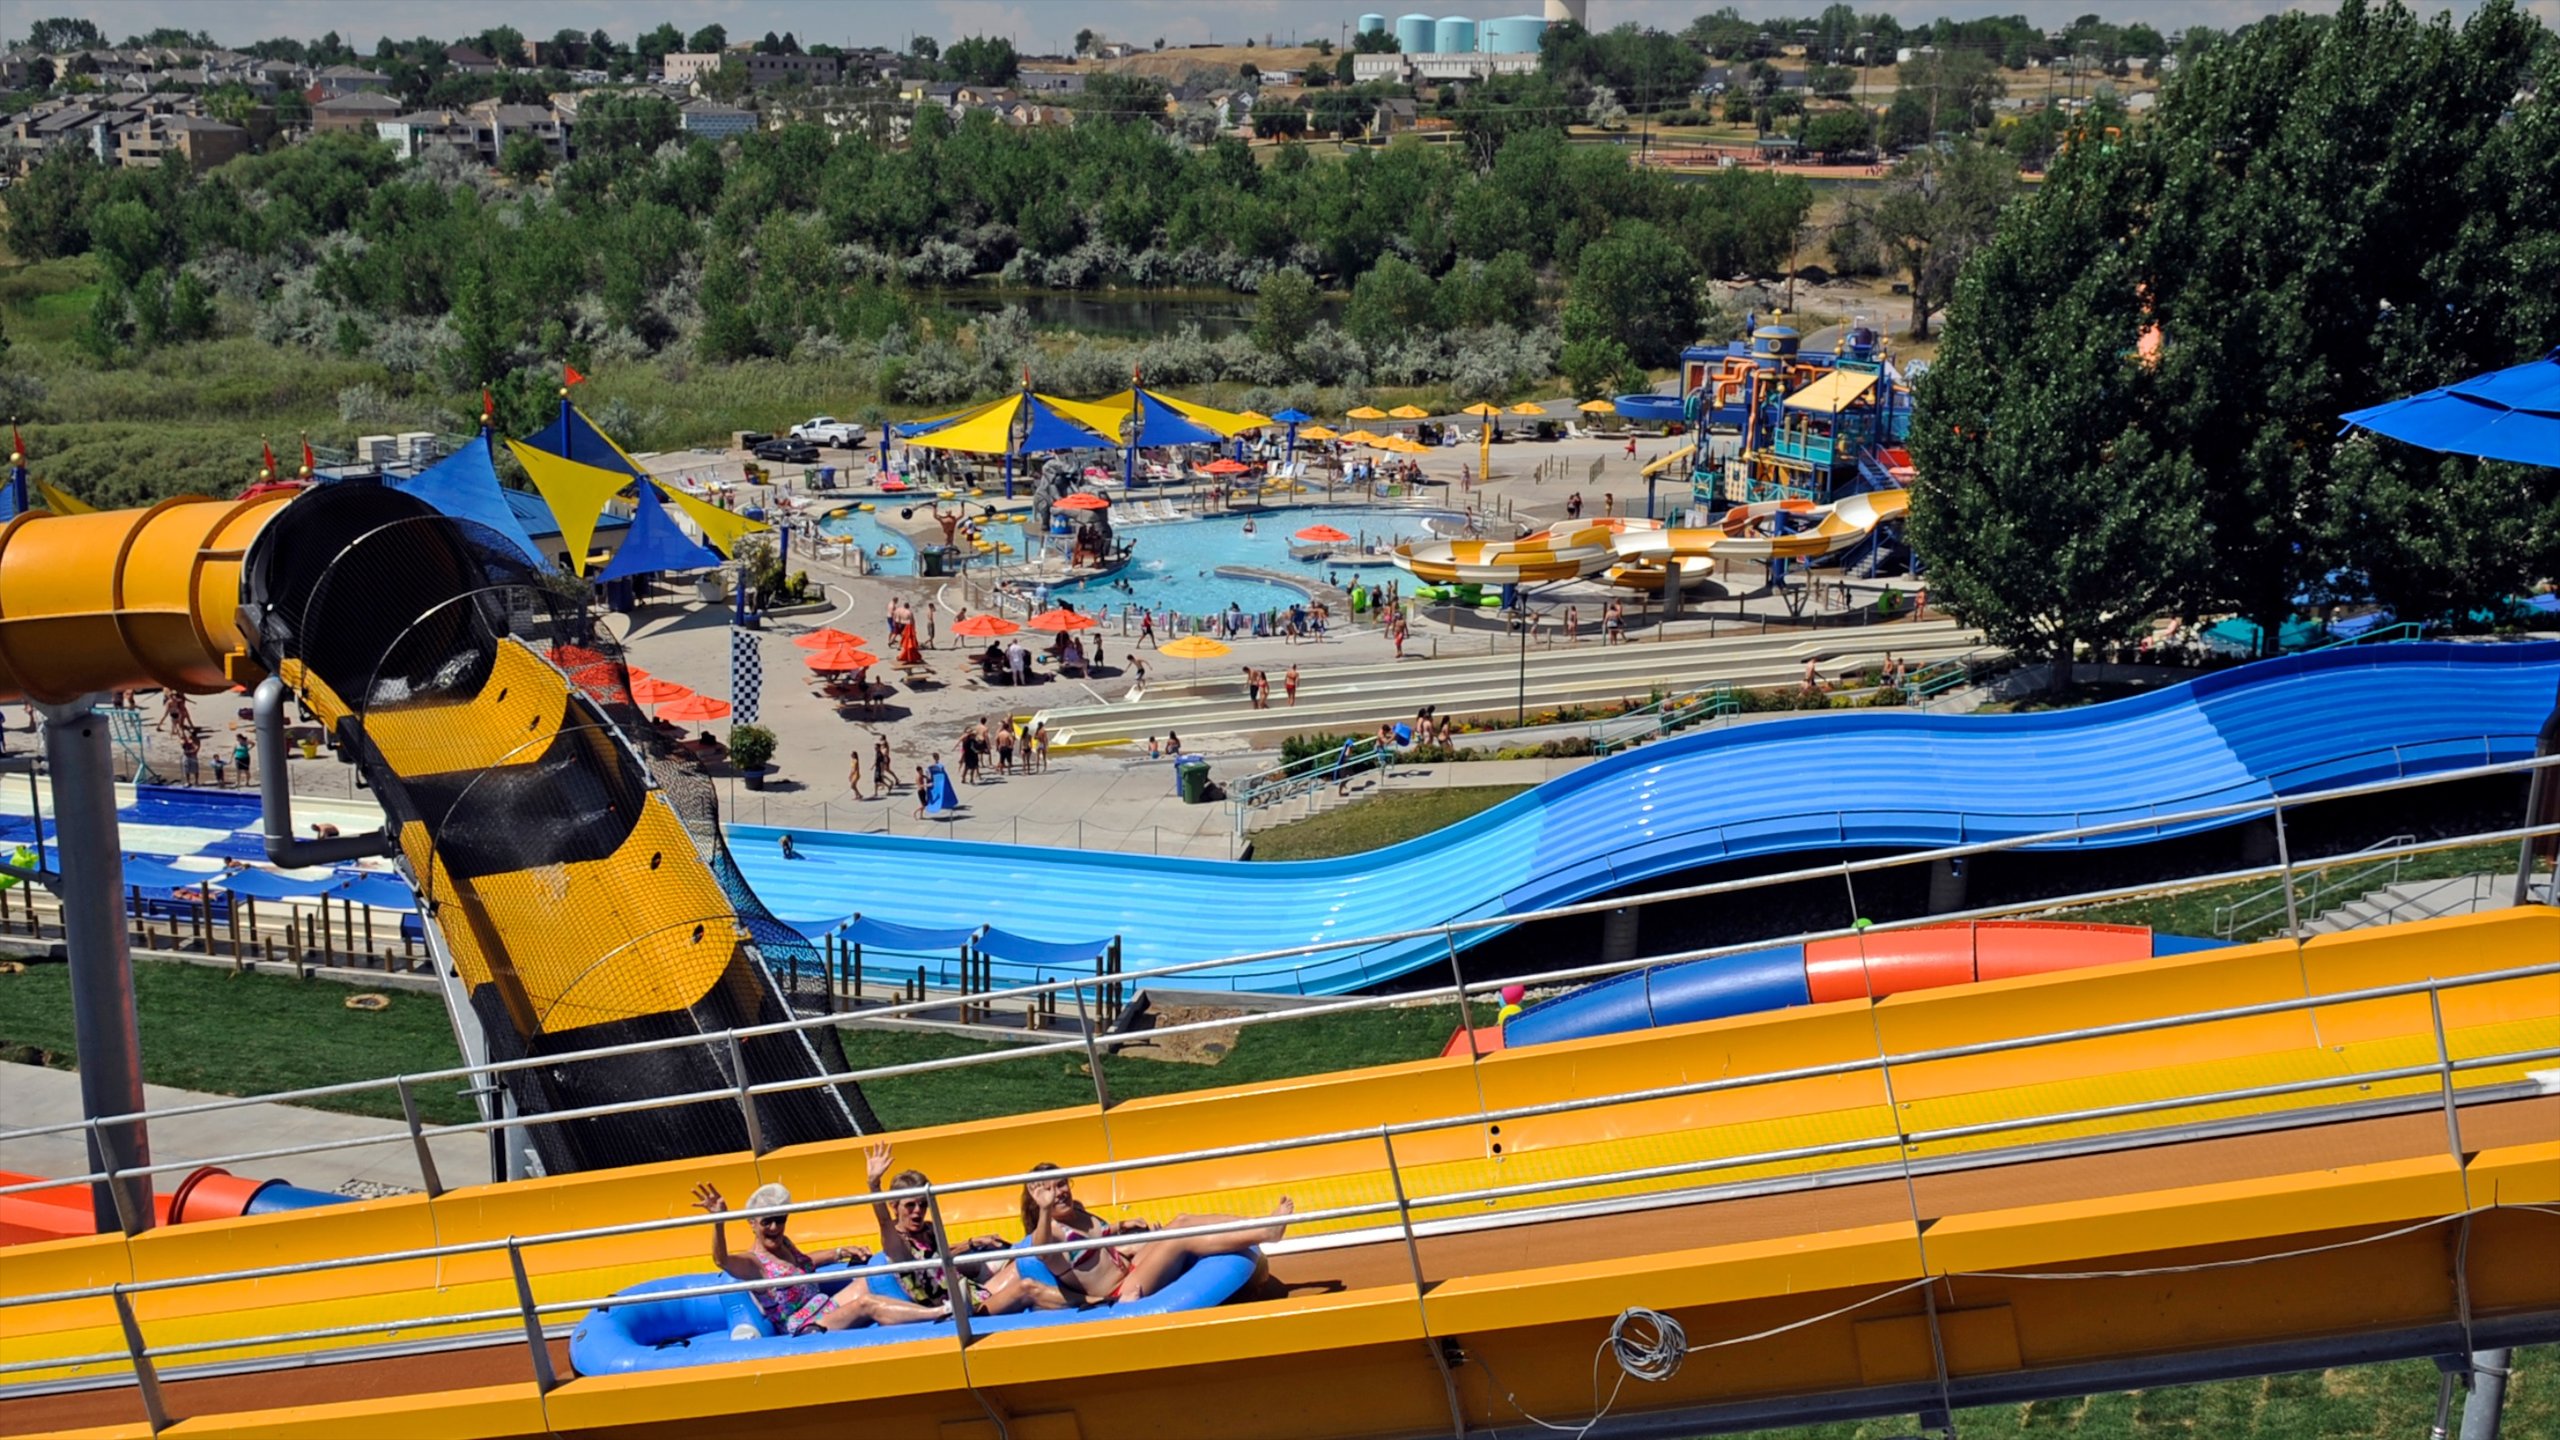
<point x="907" y="1233"/>
<point x="1099" y="1273"/>
<point x="799" y="1309"/>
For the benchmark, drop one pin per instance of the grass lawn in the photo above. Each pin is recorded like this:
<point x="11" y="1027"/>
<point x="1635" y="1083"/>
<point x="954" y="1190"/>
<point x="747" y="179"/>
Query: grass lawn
<point x="230" y="1034"/>
<point x="2191" y="912"/>
<point x="1377" y="822"/>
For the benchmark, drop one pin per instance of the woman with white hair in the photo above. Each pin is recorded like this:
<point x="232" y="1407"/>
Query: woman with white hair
<point x="799" y="1309"/>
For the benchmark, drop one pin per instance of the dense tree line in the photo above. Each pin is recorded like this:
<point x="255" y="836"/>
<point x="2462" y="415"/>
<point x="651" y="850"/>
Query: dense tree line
<point x="798" y="237"/>
<point x="2325" y="213"/>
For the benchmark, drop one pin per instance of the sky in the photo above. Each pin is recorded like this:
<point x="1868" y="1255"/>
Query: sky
<point x="1034" y="25"/>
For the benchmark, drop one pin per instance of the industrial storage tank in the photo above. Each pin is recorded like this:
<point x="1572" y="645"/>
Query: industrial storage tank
<point x="1454" y="35"/>
<point x="1514" y="34"/>
<point x="1414" y="33"/>
<point x="1373" y="24"/>
<point x="1577" y="11"/>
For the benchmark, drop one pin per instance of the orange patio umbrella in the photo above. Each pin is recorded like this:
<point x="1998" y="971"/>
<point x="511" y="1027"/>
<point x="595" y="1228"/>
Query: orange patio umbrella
<point x="650" y="690"/>
<point x="694" y="709"/>
<point x="1321" y="535"/>
<point x="1083" y="500"/>
<point x="1225" y="467"/>
<point x="1058" y="621"/>
<point x="842" y="657"/>
<point x="984" y="626"/>
<point x="821" y="639"/>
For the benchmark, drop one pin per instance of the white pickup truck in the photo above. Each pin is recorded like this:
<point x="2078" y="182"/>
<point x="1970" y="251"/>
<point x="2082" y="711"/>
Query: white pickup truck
<point x="828" y="430"/>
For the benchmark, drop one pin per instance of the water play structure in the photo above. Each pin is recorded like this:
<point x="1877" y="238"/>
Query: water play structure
<point x="1635" y="552"/>
<point x="1775" y="421"/>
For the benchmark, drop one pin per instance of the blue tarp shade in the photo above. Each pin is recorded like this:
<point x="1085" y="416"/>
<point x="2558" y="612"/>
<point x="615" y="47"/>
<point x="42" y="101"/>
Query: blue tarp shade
<point x="268" y="885"/>
<point x="885" y="936"/>
<point x="379" y="892"/>
<point x="1022" y="950"/>
<point x="1053" y="431"/>
<point x="150" y="874"/>
<point x="1161" y="424"/>
<point x="655" y="543"/>
<point x="464" y="486"/>
<point x="2511" y="414"/>
<point x="572" y="436"/>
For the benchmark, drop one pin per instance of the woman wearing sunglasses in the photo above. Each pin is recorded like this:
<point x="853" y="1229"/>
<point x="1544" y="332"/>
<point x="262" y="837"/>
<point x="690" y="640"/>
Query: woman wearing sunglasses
<point x="907" y="1233"/>
<point x="799" y="1309"/>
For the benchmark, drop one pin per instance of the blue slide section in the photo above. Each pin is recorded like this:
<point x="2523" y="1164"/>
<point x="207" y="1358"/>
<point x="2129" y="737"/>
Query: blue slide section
<point x="1891" y="778"/>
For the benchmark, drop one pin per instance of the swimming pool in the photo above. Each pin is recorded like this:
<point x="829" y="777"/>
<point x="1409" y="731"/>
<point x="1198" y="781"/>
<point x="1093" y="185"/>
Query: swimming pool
<point x="865" y="529"/>
<point x="1173" y="568"/>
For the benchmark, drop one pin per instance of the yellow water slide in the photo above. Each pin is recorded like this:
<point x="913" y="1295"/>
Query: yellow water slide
<point x="1635" y="551"/>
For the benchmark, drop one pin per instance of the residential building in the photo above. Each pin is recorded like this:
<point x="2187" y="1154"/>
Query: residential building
<point x="766" y="71"/>
<point x="463" y="60"/>
<point x="358" y="112"/>
<point x="414" y="134"/>
<point x="1469" y="65"/>
<point x="204" y="143"/>
<point x="349" y="80"/>
<point x="1050" y="82"/>
<point x="713" y="120"/>
<point x="684" y="68"/>
<point x="503" y="122"/>
<point x="1394" y="117"/>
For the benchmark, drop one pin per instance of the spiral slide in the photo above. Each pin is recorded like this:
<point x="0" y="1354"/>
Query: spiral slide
<point x="1771" y="530"/>
<point x="571" y="905"/>
<point x="1819" y="783"/>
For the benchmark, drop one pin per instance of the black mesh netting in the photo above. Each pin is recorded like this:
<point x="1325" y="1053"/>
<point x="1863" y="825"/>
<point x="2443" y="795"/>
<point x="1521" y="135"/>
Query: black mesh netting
<point x="403" y="615"/>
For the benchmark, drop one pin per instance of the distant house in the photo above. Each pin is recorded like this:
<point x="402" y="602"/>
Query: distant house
<point x="1051" y="82"/>
<point x="464" y="60"/>
<point x="349" y="80"/>
<point x="713" y="120"/>
<point x="1394" y="117"/>
<point x="684" y="68"/>
<point x="358" y="112"/>
<point x="416" y="133"/>
<point x="766" y="71"/>
<point x="201" y="142"/>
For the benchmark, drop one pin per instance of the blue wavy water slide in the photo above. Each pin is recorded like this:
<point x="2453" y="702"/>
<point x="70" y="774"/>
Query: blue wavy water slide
<point x="1875" y="778"/>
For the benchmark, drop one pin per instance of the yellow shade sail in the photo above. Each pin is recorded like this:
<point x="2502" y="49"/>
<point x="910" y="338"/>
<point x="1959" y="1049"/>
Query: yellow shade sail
<point x="989" y="431"/>
<point x="1834" y="392"/>
<point x="1227" y="423"/>
<point x="576" y="493"/>
<point x="721" y="529"/>
<point x="60" y="503"/>
<point x="1106" y="417"/>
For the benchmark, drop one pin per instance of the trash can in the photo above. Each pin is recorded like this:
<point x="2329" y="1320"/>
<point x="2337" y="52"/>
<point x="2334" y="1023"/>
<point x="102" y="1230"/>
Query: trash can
<point x="1191" y="778"/>
<point x="929" y="561"/>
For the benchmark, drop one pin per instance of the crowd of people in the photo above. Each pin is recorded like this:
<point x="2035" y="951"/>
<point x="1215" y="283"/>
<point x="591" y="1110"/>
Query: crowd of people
<point x="1095" y="1262"/>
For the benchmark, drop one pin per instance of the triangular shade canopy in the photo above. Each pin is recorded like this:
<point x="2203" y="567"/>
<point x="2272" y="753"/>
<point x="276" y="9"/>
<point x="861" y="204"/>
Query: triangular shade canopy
<point x="576" y="493"/>
<point x="464" y="485"/>
<point x="655" y="544"/>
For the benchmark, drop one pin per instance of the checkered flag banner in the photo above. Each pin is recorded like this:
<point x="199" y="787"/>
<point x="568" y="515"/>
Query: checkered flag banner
<point x="746" y="675"/>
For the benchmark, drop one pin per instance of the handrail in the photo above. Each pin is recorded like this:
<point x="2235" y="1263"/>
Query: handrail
<point x="2433" y="985"/>
<point x="2252" y="909"/>
<point x="484" y="1073"/>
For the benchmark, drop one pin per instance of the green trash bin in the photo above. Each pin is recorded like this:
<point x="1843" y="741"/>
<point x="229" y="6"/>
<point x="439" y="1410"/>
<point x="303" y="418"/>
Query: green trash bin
<point x="929" y="561"/>
<point x="1191" y="773"/>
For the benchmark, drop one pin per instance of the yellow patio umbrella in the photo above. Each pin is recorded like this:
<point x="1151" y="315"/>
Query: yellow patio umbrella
<point x="1260" y="420"/>
<point x="1527" y="408"/>
<point x="1318" y="432"/>
<point x="1195" y="648"/>
<point x="1410" y="412"/>
<point x="1367" y="412"/>
<point x="1596" y="407"/>
<point x="1357" y="437"/>
<point x="1481" y="409"/>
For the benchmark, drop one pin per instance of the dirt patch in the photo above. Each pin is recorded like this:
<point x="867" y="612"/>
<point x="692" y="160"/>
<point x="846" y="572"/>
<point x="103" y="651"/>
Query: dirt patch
<point x="1193" y="1047"/>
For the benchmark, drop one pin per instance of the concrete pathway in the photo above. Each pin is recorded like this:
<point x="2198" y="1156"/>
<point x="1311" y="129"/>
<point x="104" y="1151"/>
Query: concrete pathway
<point x="33" y="1095"/>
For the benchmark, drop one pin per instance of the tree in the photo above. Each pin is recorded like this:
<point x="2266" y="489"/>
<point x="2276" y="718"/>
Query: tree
<point x="1835" y="133"/>
<point x="708" y="39"/>
<point x="1604" y="111"/>
<point x="1284" y="311"/>
<point x="1950" y="90"/>
<point x="62" y="32"/>
<point x="1637" y="286"/>
<point x="1273" y="122"/>
<point x="48" y="209"/>
<point x="1375" y="42"/>
<point x="983" y="60"/>
<point x="1084" y="42"/>
<point x="658" y="44"/>
<point x="1832" y="82"/>
<point x="1598" y="365"/>
<point x="130" y="239"/>
<point x="523" y="159"/>
<point x="2048" y="512"/>
<point x="1938" y="208"/>
<point x="1389" y="302"/>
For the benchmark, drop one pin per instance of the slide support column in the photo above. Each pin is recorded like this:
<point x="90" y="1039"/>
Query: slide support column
<point x="2487" y="1405"/>
<point x="103" y="1028"/>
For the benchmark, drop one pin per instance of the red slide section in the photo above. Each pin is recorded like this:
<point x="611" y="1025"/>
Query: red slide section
<point x="1893" y="961"/>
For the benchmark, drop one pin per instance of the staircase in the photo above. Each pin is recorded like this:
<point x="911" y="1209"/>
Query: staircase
<point x="2418" y="900"/>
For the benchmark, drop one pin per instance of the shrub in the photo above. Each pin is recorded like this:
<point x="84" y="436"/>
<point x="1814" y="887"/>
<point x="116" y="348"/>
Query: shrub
<point x="750" y="746"/>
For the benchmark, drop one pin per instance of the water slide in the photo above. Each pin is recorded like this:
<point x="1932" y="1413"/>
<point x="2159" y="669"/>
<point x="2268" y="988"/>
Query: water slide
<point x="1816" y="783"/>
<point x="1770" y="530"/>
<point x="571" y="904"/>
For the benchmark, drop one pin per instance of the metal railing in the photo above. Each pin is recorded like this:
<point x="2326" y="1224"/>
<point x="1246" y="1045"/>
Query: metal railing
<point x="1463" y="992"/>
<point x="2250" y="911"/>
<point x="1903" y="1142"/>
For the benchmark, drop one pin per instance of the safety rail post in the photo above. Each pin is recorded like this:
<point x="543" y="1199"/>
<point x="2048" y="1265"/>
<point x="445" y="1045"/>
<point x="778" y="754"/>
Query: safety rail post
<point x="1421" y="1286"/>
<point x="953" y="1287"/>
<point x="544" y="1380"/>
<point x="746" y="1094"/>
<point x="2444" y="1060"/>
<point x="1466" y="1013"/>
<point x="1092" y="1054"/>
<point x="2284" y="857"/>
<point x="146" y="1376"/>
<point x="418" y="1140"/>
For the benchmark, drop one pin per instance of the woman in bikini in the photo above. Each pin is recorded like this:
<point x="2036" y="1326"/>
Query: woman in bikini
<point x="799" y="1309"/>
<point x="1099" y="1273"/>
<point x="907" y="1233"/>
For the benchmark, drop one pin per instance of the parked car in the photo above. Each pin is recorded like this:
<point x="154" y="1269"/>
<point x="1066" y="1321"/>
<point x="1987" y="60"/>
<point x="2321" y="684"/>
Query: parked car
<point x="828" y="430"/>
<point x="788" y="450"/>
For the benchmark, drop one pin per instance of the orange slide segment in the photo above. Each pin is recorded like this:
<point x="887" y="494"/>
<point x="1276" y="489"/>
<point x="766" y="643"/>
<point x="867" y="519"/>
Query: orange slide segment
<point x="118" y="599"/>
<point x="1934" y="955"/>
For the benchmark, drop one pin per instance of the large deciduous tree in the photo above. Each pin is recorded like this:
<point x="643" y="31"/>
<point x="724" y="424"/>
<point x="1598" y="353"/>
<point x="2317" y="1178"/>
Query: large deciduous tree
<point x="1939" y="207"/>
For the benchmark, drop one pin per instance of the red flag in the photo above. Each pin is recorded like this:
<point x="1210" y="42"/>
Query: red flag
<point x="310" y="462"/>
<point x="488" y="407"/>
<point x="270" y="452"/>
<point x="573" y="377"/>
<point x="17" y="447"/>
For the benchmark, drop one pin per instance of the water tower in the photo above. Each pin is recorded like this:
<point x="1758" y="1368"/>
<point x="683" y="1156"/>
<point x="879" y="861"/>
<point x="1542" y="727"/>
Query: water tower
<point x="1454" y="35"/>
<point x="1577" y="11"/>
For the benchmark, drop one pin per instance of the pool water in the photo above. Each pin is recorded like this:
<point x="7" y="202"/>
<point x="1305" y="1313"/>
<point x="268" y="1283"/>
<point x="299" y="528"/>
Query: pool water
<point x="866" y="530"/>
<point x="1172" y="568"/>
